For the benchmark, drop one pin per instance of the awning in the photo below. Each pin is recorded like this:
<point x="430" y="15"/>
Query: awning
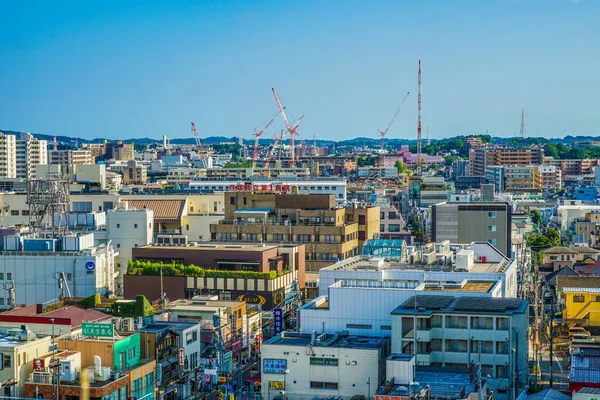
<point x="173" y="360"/>
<point x="164" y="363"/>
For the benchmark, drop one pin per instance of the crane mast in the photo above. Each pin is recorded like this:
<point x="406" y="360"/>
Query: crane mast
<point x="419" y="136"/>
<point x="257" y="135"/>
<point x="292" y="130"/>
<point x="199" y="145"/>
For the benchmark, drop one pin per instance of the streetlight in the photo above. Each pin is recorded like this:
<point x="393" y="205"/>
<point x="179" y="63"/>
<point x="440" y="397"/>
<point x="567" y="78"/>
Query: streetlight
<point x="285" y="374"/>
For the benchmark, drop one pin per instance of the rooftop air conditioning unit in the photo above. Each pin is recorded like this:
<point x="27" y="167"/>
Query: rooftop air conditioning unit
<point x="128" y="325"/>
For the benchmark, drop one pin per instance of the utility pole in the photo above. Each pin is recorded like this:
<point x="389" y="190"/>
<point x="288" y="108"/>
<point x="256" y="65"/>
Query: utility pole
<point x="550" y="330"/>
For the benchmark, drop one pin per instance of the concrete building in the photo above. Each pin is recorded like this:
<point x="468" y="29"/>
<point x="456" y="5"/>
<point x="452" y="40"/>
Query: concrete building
<point x="34" y="264"/>
<point x="329" y="232"/>
<point x="551" y="178"/>
<point x="305" y="365"/>
<point x="410" y="159"/>
<point x="128" y="229"/>
<point x="522" y="179"/>
<point x="359" y="294"/>
<point x="120" y="151"/>
<point x="18" y="349"/>
<point x="460" y="168"/>
<point x="494" y="175"/>
<point x="574" y="166"/>
<point x="70" y="157"/>
<point x="472" y="222"/>
<point x="29" y="153"/>
<point x="482" y="157"/>
<point x="377" y="172"/>
<point x="135" y="172"/>
<point x="457" y="332"/>
<point x="433" y="190"/>
<point x="8" y="156"/>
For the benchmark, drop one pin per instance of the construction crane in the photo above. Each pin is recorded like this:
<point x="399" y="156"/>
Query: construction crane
<point x="419" y="134"/>
<point x="257" y="135"/>
<point x="385" y="131"/>
<point x="291" y="129"/>
<point x="276" y="139"/>
<point x="199" y="145"/>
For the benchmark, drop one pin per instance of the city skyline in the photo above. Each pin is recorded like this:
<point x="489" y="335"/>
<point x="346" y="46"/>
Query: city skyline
<point x="144" y="69"/>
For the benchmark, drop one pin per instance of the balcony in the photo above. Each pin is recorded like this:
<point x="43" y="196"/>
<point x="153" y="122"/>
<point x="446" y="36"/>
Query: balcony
<point x="424" y="335"/>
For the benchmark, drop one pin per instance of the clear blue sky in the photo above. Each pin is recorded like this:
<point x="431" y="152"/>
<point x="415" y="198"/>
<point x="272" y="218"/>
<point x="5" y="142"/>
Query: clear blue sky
<point x="141" y="68"/>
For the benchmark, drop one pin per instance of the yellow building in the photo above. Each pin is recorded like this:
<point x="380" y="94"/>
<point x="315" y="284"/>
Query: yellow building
<point x="582" y="305"/>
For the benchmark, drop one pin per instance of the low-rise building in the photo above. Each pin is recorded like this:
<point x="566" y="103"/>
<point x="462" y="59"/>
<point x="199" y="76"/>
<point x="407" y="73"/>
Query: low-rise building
<point x="309" y="365"/>
<point x="458" y="332"/>
<point x="581" y="305"/>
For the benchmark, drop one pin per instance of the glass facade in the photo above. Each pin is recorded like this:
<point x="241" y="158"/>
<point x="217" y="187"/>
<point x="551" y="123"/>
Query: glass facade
<point x="380" y="248"/>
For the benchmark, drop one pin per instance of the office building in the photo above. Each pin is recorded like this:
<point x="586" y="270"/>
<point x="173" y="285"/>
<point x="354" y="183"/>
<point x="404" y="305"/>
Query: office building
<point x="473" y="222"/>
<point x="459" y="332"/>
<point x="310" y="365"/>
<point x="329" y="232"/>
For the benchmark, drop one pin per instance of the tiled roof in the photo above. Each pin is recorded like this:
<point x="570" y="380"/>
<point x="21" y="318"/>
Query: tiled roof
<point x="576" y="281"/>
<point x="165" y="211"/>
<point x="585" y="366"/>
<point x="585" y="249"/>
<point x="582" y="289"/>
<point x="559" y="250"/>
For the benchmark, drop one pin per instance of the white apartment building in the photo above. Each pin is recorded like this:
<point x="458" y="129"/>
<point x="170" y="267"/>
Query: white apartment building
<point x="127" y="229"/>
<point x="33" y="265"/>
<point x="459" y="332"/>
<point x="358" y="295"/>
<point x="8" y="154"/>
<point x="309" y="365"/>
<point x="29" y="153"/>
<point x="377" y="172"/>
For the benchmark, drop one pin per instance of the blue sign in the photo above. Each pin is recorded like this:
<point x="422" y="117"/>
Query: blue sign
<point x="277" y="320"/>
<point x="274" y="366"/>
<point x="90" y="266"/>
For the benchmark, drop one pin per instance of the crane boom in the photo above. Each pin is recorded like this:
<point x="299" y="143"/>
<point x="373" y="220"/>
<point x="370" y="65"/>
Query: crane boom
<point x="292" y="130"/>
<point x="199" y="144"/>
<point x="257" y="135"/>
<point x="272" y="152"/>
<point x="384" y="132"/>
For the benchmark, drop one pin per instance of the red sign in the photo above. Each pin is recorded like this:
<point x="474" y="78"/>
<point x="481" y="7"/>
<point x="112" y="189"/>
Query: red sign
<point x="236" y="346"/>
<point x="264" y="187"/>
<point x="181" y="356"/>
<point x="39" y="364"/>
<point x="231" y="188"/>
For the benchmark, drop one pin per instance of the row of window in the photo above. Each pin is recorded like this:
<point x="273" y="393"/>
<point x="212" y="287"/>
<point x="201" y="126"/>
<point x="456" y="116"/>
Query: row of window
<point x="136" y="225"/>
<point x="329" y="362"/>
<point x="581" y="299"/>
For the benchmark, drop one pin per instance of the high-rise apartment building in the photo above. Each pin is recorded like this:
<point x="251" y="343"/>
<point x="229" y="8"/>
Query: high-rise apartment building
<point x="522" y="179"/>
<point x="120" y="151"/>
<point x="483" y="157"/>
<point x="8" y="153"/>
<point x="473" y="222"/>
<point x="29" y="153"/>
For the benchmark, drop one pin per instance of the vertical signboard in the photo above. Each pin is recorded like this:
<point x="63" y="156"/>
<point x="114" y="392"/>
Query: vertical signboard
<point x="277" y="321"/>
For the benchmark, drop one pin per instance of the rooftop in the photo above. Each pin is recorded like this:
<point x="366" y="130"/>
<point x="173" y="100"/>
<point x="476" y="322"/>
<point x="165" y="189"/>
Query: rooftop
<point x="563" y="282"/>
<point x="75" y="314"/>
<point x="165" y="211"/>
<point x="327" y="340"/>
<point x="582" y="289"/>
<point x="259" y="247"/>
<point x="585" y="366"/>
<point x="450" y="304"/>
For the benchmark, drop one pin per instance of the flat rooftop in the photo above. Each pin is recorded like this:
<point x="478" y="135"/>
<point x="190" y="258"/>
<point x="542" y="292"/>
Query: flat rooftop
<point x="327" y="340"/>
<point x="200" y="305"/>
<point x="217" y="246"/>
<point x="428" y="304"/>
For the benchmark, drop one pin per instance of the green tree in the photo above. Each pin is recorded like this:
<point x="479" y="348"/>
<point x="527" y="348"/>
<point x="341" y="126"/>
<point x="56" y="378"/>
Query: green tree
<point x="536" y="216"/>
<point x="401" y="167"/>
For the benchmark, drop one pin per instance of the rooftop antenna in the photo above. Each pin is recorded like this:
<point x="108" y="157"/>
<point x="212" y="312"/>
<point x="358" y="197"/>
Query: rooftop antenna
<point x="522" y="124"/>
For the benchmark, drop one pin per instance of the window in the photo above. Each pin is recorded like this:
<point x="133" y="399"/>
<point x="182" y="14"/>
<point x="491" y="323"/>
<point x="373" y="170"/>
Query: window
<point x="118" y="245"/>
<point x="491" y="228"/>
<point x="9" y="276"/>
<point x="361" y="219"/>
<point x="14" y="212"/>
<point x="118" y="225"/>
<point x="492" y="214"/>
<point x="576" y="299"/>
<point x="385" y="327"/>
<point x="245" y="200"/>
<point x="358" y="326"/>
<point x="135" y="225"/>
<point x="1" y="276"/>
<point x="278" y="236"/>
<point x="25" y="212"/>
<point x="131" y="352"/>
<point x="492" y="242"/>
<point x="69" y="276"/>
<point x="135" y="245"/>
<point x="1" y="301"/>
<point x="303" y="238"/>
<point x="6" y="361"/>
<point x="232" y="200"/>
<point x="394" y="227"/>
<point x="150" y="225"/>
<point x="329" y="362"/>
<point x="329" y="238"/>
<point x="382" y="215"/>
<point x="187" y="227"/>
<point x="597" y="299"/>
<point x="323" y="385"/>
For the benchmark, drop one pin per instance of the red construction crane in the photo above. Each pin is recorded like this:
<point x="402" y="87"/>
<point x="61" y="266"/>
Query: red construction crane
<point x="291" y="129"/>
<point x="55" y="143"/>
<point x="419" y="137"/>
<point x="257" y="135"/>
<point x="385" y="131"/>
<point x="272" y="152"/>
<point x="199" y="145"/>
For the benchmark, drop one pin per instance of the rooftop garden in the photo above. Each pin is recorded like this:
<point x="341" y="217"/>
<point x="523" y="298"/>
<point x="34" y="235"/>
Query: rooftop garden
<point x="176" y="269"/>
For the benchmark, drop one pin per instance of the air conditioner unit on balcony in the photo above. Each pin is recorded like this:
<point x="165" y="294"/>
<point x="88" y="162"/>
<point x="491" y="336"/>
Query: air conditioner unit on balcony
<point x="127" y="325"/>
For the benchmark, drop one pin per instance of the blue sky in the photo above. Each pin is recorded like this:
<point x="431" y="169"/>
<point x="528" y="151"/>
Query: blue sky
<point x="143" y="68"/>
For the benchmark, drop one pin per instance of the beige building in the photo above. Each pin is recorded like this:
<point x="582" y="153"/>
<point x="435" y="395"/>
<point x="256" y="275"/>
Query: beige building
<point x="68" y="157"/>
<point x="522" y="179"/>
<point x="473" y="222"/>
<point x="135" y="172"/>
<point x="551" y="178"/>
<point x="120" y="151"/>
<point x="98" y="150"/>
<point x="482" y="157"/>
<point x="330" y="232"/>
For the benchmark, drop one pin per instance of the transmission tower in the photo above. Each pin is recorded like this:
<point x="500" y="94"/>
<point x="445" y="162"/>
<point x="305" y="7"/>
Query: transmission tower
<point x="419" y="136"/>
<point x="48" y="198"/>
<point x="522" y="124"/>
